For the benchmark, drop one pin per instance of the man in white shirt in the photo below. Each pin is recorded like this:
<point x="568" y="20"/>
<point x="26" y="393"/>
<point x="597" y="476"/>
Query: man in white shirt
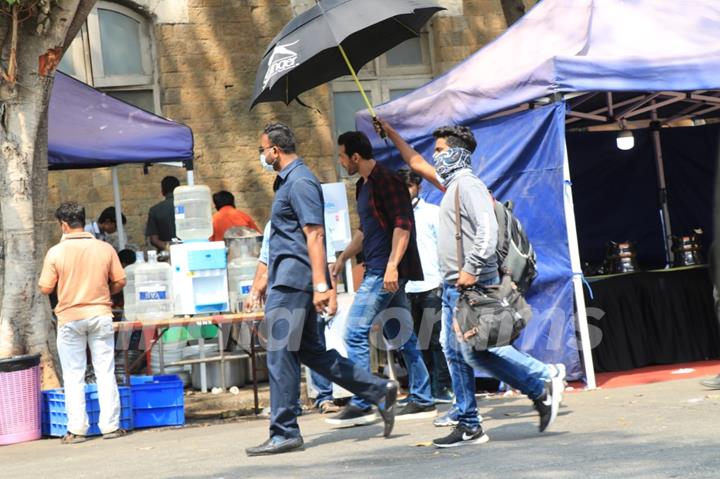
<point x="105" y="227"/>
<point x="426" y="296"/>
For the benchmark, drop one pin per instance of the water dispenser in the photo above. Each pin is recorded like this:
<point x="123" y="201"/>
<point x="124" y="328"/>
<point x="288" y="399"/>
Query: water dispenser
<point x="199" y="271"/>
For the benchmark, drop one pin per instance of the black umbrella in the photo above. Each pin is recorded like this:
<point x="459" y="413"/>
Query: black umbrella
<point x="333" y="38"/>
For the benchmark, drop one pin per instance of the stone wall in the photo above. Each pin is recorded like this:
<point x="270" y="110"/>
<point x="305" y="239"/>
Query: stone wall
<point x="206" y="67"/>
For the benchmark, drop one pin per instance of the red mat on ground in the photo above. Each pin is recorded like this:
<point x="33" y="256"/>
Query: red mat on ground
<point x="654" y="374"/>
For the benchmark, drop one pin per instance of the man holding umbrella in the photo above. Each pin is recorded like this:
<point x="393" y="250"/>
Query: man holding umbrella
<point x="452" y="172"/>
<point x="298" y="289"/>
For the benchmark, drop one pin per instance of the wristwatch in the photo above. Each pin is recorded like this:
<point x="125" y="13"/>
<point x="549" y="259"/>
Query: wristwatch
<point x="321" y="288"/>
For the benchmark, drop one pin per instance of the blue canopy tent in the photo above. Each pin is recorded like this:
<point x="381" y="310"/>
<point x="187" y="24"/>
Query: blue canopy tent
<point x="88" y="128"/>
<point x="566" y="65"/>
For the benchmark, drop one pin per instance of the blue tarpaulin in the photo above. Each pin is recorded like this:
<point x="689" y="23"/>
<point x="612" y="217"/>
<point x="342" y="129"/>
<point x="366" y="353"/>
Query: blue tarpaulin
<point x="91" y="129"/>
<point x="559" y="47"/>
<point x="565" y="46"/>
<point x="520" y="158"/>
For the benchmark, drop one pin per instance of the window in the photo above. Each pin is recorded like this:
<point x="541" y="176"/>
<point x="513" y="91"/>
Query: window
<point x="397" y="72"/>
<point x="113" y="52"/>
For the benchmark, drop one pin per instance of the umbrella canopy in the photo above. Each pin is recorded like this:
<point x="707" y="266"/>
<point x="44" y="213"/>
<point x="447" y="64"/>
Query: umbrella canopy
<point x="305" y="53"/>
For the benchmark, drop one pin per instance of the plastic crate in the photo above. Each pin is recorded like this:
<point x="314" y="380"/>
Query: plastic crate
<point x="54" y="416"/>
<point x="157" y="401"/>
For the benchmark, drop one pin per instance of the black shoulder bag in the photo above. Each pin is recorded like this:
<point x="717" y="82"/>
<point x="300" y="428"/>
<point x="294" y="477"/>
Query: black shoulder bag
<point x="488" y="316"/>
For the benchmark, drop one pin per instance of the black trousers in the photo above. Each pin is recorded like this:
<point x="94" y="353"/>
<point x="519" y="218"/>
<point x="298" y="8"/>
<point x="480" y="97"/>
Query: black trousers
<point x="291" y="329"/>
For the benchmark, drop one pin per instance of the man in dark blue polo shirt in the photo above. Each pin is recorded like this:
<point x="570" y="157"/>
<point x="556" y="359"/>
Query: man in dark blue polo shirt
<point x="298" y="289"/>
<point x="387" y="241"/>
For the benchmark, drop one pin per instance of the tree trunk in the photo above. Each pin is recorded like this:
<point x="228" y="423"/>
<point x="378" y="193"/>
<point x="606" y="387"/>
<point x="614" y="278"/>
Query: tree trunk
<point x="25" y="320"/>
<point x="18" y="133"/>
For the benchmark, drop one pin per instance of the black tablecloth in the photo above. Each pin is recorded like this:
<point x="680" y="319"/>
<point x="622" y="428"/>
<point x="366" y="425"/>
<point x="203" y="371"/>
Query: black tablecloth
<point x="652" y="318"/>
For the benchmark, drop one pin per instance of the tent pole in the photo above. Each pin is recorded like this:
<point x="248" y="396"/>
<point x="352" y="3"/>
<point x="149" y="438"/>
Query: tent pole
<point x="190" y="168"/>
<point x="118" y="209"/>
<point x="577" y="276"/>
<point x="662" y="190"/>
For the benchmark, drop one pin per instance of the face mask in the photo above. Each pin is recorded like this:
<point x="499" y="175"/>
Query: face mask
<point x="448" y="162"/>
<point x="440" y="179"/>
<point x="266" y="166"/>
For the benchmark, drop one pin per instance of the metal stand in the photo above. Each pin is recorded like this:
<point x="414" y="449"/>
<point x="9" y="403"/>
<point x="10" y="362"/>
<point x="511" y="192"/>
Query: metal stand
<point x="203" y="368"/>
<point x="664" y="211"/>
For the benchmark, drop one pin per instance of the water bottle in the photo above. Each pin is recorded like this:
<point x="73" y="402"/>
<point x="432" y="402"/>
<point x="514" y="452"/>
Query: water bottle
<point x="153" y="290"/>
<point x="129" y="292"/>
<point x="241" y="272"/>
<point x="193" y="213"/>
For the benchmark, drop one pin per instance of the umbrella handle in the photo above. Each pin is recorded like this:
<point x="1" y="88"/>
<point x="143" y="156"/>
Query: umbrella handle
<point x="376" y="123"/>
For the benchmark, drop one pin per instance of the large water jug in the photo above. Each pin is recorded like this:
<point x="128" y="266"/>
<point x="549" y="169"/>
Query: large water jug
<point x="193" y="212"/>
<point x="153" y="290"/>
<point x="241" y="272"/>
<point x="129" y="292"/>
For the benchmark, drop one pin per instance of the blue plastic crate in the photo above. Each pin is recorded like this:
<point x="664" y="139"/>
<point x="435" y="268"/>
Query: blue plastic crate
<point x="157" y="401"/>
<point x="54" y="416"/>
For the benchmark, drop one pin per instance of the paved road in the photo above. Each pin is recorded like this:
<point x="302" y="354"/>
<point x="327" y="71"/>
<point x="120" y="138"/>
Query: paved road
<point x="662" y="430"/>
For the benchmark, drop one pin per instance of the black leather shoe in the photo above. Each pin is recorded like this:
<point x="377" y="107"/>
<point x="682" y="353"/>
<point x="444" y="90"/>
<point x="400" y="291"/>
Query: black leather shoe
<point x="276" y="445"/>
<point x="386" y="408"/>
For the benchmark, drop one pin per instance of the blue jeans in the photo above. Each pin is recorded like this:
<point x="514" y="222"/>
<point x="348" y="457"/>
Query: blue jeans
<point x="323" y="385"/>
<point x="519" y="370"/>
<point x="374" y="305"/>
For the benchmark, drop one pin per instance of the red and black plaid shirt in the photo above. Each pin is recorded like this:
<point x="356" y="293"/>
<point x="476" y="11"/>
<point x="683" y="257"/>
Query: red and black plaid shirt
<point x="390" y="203"/>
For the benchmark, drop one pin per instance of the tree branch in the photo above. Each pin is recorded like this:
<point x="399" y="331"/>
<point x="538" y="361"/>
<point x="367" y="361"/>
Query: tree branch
<point x="83" y="10"/>
<point x="11" y="75"/>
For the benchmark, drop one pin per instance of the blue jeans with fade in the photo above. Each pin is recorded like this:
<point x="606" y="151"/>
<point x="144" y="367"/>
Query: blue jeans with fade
<point x="323" y="386"/>
<point x="374" y="305"/>
<point x="515" y="368"/>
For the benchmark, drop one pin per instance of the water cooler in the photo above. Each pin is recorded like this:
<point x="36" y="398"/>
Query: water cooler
<point x="200" y="277"/>
<point x="199" y="266"/>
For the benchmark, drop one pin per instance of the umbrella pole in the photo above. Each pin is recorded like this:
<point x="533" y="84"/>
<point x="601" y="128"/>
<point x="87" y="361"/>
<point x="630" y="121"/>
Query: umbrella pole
<point x="357" y="81"/>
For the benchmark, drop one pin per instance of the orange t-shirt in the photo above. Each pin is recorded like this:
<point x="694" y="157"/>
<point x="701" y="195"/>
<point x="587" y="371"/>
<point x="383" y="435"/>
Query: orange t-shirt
<point x="228" y="217"/>
<point x="82" y="268"/>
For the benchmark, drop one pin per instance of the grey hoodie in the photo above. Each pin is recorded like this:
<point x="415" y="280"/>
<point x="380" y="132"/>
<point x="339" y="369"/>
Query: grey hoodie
<point x="479" y="229"/>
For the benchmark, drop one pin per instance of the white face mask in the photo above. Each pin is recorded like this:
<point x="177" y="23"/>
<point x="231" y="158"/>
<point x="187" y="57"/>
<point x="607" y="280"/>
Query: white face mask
<point x="266" y="166"/>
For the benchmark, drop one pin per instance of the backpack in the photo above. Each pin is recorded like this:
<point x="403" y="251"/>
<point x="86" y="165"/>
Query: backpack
<point x="515" y="254"/>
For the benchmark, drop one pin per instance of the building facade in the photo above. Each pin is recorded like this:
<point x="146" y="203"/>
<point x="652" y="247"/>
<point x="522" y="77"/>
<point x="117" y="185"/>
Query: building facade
<point x="194" y="61"/>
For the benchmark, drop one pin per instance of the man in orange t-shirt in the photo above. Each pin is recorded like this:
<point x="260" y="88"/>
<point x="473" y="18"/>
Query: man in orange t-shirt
<point x="85" y="271"/>
<point x="228" y="216"/>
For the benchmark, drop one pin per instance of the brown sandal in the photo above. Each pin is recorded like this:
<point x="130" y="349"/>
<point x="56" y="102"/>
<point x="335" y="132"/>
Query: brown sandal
<point x="71" y="438"/>
<point x="115" y="434"/>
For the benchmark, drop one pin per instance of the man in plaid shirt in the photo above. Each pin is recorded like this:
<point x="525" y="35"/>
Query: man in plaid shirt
<point x="387" y="240"/>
